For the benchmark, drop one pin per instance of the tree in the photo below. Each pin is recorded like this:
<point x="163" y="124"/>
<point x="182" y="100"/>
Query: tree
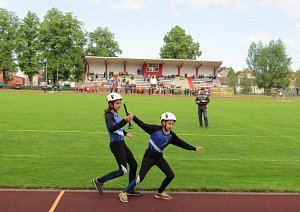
<point x="298" y="82"/>
<point x="233" y="81"/>
<point x="246" y="85"/>
<point x="270" y="64"/>
<point x="9" y="24"/>
<point x="101" y="43"/>
<point x="178" y="45"/>
<point x="28" y="45"/>
<point x="253" y="56"/>
<point x="62" y="39"/>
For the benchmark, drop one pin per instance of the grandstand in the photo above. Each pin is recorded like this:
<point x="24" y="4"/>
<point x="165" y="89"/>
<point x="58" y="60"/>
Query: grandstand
<point x="152" y="76"/>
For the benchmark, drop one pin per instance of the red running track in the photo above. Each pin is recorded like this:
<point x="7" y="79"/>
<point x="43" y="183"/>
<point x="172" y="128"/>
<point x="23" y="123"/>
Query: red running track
<point x="40" y="200"/>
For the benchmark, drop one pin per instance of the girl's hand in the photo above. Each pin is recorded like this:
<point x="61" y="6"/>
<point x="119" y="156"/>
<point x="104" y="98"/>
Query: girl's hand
<point x="198" y="149"/>
<point x="128" y="118"/>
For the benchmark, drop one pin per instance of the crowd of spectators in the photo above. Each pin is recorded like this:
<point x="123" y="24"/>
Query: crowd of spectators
<point x="202" y="76"/>
<point x="123" y="83"/>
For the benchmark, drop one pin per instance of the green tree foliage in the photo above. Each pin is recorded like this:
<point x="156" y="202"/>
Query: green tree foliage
<point x="233" y="81"/>
<point x="101" y="43"/>
<point x="59" y="39"/>
<point x="298" y="81"/>
<point x="178" y="45"/>
<point x="28" y="45"/>
<point x="246" y="85"/>
<point x="9" y="24"/>
<point x="270" y="64"/>
<point x="253" y="56"/>
<point x="62" y="39"/>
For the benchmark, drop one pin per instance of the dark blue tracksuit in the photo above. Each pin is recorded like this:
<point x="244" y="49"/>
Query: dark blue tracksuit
<point x="154" y="153"/>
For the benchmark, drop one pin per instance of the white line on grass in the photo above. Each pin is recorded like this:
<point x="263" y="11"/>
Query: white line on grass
<point x="183" y="134"/>
<point x="199" y="159"/>
<point x="91" y="132"/>
<point x="269" y="130"/>
<point x="228" y="135"/>
<point x="55" y="131"/>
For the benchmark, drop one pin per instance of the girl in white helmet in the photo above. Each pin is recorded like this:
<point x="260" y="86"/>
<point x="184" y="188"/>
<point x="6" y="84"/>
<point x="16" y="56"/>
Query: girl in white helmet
<point x="118" y="147"/>
<point x="160" y="137"/>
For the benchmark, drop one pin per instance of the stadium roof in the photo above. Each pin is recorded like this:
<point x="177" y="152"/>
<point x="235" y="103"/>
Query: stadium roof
<point x="177" y="62"/>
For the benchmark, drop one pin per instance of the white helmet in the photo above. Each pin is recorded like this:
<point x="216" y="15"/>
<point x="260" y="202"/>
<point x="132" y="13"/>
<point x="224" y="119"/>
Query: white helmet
<point x="113" y="97"/>
<point x="167" y="116"/>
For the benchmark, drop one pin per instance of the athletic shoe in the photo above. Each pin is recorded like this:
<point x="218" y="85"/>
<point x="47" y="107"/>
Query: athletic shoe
<point x="163" y="195"/>
<point x="98" y="186"/>
<point x="134" y="193"/>
<point x="123" y="197"/>
<point x="130" y="127"/>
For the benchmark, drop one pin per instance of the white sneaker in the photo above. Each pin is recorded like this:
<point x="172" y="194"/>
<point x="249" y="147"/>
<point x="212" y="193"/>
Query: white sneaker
<point x="163" y="195"/>
<point x="123" y="197"/>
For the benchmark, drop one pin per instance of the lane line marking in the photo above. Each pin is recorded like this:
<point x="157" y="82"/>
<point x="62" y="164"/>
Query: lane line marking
<point x="182" y="134"/>
<point x="182" y="159"/>
<point x="57" y="201"/>
<point x="55" y="131"/>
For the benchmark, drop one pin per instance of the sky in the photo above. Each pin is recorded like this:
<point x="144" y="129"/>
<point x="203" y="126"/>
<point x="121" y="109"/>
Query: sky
<point x="223" y="28"/>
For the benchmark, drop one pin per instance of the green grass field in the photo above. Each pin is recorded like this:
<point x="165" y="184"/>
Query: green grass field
<point x="59" y="140"/>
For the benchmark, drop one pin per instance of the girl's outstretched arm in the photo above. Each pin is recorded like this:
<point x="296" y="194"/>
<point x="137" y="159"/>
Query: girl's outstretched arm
<point x="180" y="143"/>
<point x="148" y="128"/>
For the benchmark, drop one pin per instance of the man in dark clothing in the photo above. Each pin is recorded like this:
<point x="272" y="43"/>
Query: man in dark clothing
<point x="202" y="100"/>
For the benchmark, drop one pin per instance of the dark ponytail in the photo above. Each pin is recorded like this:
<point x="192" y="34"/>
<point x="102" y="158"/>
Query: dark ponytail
<point x="108" y="109"/>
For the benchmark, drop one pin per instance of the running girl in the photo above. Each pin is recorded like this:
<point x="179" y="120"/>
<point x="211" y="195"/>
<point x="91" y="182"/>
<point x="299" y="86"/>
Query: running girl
<point x="117" y="145"/>
<point x="160" y="137"/>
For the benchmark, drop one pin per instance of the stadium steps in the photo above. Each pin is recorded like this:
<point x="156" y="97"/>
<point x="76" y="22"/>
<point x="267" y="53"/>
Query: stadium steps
<point x="180" y="82"/>
<point x="190" y="81"/>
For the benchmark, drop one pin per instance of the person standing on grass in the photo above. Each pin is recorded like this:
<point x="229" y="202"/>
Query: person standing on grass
<point x="160" y="137"/>
<point x="202" y="100"/>
<point x="117" y="145"/>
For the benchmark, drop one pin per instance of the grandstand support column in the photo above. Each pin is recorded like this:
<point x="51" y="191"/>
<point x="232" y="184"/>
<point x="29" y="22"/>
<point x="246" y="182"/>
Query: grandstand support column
<point x="124" y="66"/>
<point x="163" y="63"/>
<point x="143" y="68"/>
<point x="105" y="67"/>
<point x="197" y="68"/>
<point x="87" y="70"/>
<point x="179" y="68"/>
<point x="216" y="70"/>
